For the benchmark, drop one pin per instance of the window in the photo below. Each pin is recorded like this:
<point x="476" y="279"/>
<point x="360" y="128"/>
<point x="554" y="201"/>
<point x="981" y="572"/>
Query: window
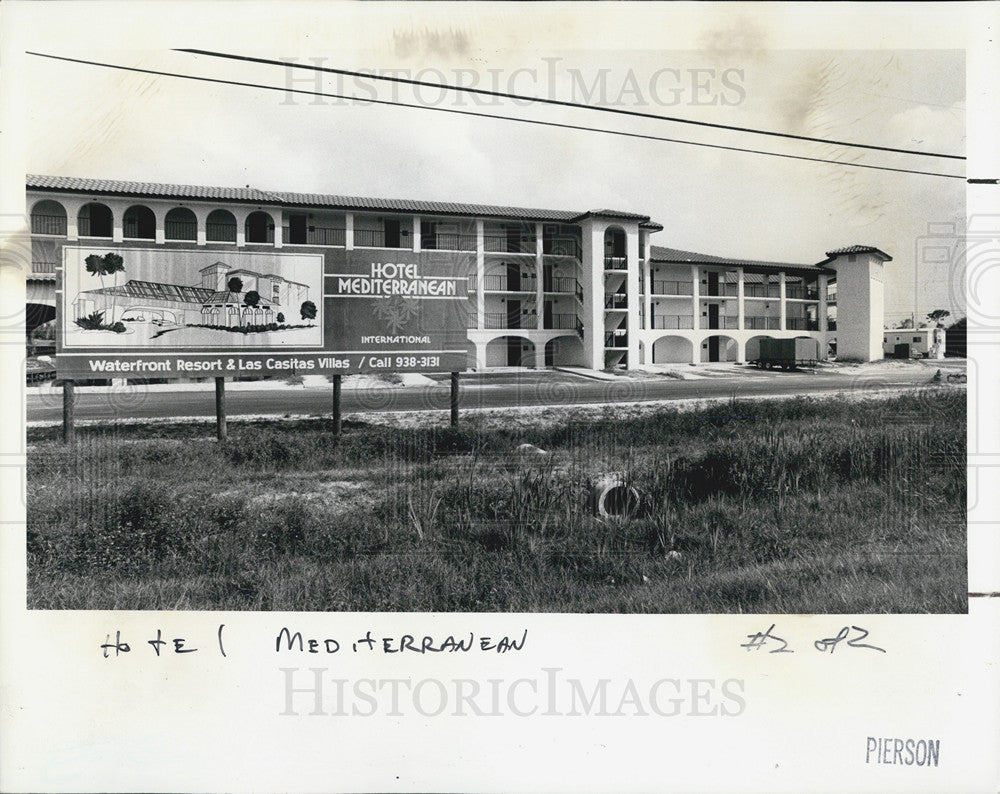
<point x="916" y="339"/>
<point x="181" y="224"/>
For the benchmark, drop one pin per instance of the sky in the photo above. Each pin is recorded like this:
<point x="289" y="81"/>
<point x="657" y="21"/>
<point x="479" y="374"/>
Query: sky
<point x="806" y="75"/>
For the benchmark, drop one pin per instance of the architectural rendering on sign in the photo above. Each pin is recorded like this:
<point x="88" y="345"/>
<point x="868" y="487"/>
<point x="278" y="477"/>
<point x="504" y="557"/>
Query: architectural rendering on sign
<point x="524" y="287"/>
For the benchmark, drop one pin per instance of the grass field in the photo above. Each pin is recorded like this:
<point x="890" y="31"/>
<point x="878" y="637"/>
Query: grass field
<point x="804" y="505"/>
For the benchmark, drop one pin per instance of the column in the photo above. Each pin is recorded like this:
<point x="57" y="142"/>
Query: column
<point x="117" y="222"/>
<point x="201" y="215"/>
<point x="416" y="233"/>
<point x="160" y="235"/>
<point x="349" y="231"/>
<point x="279" y="228"/>
<point x="593" y="293"/>
<point x="781" y="300"/>
<point x="696" y="303"/>
<point x="821" y="311"/>
<point x="539" y="281"/>
<point x="632" y="292"/>
<point x="480" y="279"/>
<point x="740" y="311"/>
<point x="72" y="223"/>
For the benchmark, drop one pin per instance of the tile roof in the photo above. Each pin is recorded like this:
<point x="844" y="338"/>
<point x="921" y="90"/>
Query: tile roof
<point x="253" y="195"/>
<point x="133" y="288"/>
<point x="658" y="253"/>
<point x="858" y="249"/>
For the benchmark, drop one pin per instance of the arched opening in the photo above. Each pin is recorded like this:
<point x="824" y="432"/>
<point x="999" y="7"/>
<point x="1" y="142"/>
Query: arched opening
<point x="139" y="223"/>
<point x="510" y="351"/>
<point x="752" y="350"/>
<point x="259" y="228"/>
<point x="180" y="224"/>
<point x="565" y="351"/>
<point x="94" y="220"/>
<point x="673" y="350"/>
<point x="48" y="217"/>
<point x="220" y="227"/>
<point x="615" y="248"/>
<point x="719" y="348"/>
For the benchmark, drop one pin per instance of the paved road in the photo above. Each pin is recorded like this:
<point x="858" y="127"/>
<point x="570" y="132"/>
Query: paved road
<point x="532" y="389"/>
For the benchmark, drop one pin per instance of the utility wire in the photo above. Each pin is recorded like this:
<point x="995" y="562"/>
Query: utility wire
<point x="562" y="103"/>
<point x="620" y="133"/>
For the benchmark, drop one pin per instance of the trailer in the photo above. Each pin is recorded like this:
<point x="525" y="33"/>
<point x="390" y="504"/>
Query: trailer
<point x="787" y="353"/>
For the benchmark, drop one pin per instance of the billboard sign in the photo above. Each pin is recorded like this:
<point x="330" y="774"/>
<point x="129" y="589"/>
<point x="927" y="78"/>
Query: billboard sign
<point x="173" y="313"/>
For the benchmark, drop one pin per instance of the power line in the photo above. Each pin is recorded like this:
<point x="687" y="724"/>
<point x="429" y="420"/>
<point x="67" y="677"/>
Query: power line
<point x="564" y="103"/>
<point x="620" y="133"/>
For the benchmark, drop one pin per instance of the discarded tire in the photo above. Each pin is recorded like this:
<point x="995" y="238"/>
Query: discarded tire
<point x="612" y="497"/>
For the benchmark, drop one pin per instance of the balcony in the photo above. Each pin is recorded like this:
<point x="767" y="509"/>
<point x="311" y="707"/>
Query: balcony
<point x="448" y="242"/>
<point x="673" y="321"/>
<point x="43" y="268"/>
<point x="831" y="324"/>
<point x="504" y="283"/>
<point x="570" y="248"/>
<point x="87" y="229"/>
<point x="220" y="232"/>
<point x="616" y="263"/>
<point x="562" y="322"/>
<point x="801" y="324"/>
<point x="375" y="238"/>
<point x="797" y="292"/>
<point x="188" y="230"/>
<point x="762" y="323"/>
<point x="316" y="235"/>
<point x="720" y="291"/>
<point x="673" y="288"/>
<point x="760" y="291"/>
<point x="48" y="224"/>
<point x="564" y="285"/>
<point x="615" y="301"/>
<point x="501" y="244"/>
<point x="721" y="323"/>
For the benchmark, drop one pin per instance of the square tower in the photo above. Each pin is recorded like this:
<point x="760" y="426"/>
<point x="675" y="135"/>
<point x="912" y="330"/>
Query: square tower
<point x="860" y="301"/>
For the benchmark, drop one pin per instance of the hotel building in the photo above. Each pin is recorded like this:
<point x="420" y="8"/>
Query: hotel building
<point x="546" y="287"/>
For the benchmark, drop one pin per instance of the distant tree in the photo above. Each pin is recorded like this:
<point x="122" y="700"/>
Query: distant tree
<point x="937" y="316"/>
<point x="907" y="323"/>
<point x="308" y="310"/>
<point x="252" y="299"/>
<point x="235" y="284"/>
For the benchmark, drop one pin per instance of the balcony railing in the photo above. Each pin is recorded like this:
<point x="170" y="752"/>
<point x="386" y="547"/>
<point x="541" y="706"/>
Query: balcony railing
<point x="373" y="238"/>
<point x="616" y="300"/>
<point x="48" y="224"/>
<point x="796" y="292"/>
<point x="84" y="229"/>
<point x="565" y="285"/>
<point x="616" y="340"/>
<point x="673" y="321"/>
<point x="616" y="263"/>
<point x="220" y="232"/>
<point x="317" y="235"/>
<point x="760" y="291"/>
<point x="673" y="288"/>
<point x="720" y="322"/>
<point x="562" y="248"/>
<point x="130" y="231"/>
<point x="720" y="291"/>
<point x="562" y="322"/>
<point x="801" y="324"/>
<point x="762" y="323"/>
<point x="44" y="268"/>
<point x="449" y="242"/>
<point x="185" y="230"/>
<point x="504" y="283"/>
<point x="501" y="244"/>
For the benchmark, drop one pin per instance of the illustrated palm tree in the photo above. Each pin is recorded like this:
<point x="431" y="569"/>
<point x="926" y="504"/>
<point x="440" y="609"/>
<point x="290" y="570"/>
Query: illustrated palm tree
<point x="108" y="265"/>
